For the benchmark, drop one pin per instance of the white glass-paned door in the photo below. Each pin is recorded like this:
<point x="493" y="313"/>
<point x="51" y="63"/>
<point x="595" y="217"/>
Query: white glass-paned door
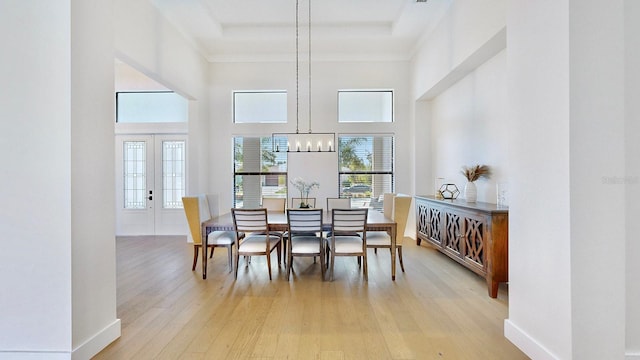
<point x="150" y="183"/>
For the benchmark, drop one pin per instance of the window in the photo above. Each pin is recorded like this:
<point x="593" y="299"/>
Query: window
<point x="135" y="174"/>
<point x="173" y="173"/>
<point x="365" y="106"/>
<point x="151" y="107"/>
<point x="258" y="171"/>
<point x="366" y="168"/>
<point x="251" y="107"/>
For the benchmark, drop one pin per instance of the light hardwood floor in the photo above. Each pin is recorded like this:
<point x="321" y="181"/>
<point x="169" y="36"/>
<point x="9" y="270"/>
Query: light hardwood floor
<point x="436" y="310"/>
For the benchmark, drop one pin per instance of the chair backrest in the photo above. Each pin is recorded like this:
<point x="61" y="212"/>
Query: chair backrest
<point x="338" y="203"/>
<point x="348" y="221"/>
<point x="250" y="220"/>
<point x="387" y="205"/>
<point x="196" y="208"/>
<point x="274" y="204"/>
<point x="304" y="221"/>
<point x="401" y="208"/>
<point x="295" y="202"/>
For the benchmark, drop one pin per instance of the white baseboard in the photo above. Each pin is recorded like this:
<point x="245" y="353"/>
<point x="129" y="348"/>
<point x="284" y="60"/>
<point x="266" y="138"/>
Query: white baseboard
<point x="632" y="356"/>
<point x="526" y="343"/>
<point x="98" y="342"/>
<point x="34" y="355"/>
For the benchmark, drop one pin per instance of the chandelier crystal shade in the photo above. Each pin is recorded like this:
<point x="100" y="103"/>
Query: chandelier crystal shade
<point x="310" y="141"/>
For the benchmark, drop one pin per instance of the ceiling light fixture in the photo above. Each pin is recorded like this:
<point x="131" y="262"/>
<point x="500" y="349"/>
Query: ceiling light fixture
<point x="310" y="141"/>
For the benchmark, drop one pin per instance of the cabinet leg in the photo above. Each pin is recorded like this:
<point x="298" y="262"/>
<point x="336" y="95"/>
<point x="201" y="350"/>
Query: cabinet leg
<point x="493" y="288"/>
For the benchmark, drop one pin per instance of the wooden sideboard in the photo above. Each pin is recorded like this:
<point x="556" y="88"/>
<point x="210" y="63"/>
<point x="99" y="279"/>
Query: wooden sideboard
<point x="475" y="235"/>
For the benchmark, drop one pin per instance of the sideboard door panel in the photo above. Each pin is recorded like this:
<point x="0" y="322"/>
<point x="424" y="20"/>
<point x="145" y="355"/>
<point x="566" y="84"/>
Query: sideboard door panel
<point x="453" y="243"/>
<point x="475" y="238"/>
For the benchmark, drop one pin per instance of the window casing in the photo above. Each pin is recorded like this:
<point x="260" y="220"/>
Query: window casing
<point x="366" y="168"/>
<point x="258" y="171"/>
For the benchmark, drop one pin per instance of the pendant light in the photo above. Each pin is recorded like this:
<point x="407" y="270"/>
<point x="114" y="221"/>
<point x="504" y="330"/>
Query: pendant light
<point x="310" y="141"/>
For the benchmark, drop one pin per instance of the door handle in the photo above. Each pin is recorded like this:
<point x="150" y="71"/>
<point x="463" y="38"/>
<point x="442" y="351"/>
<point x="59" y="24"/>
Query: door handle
<point x="150" y="197"/>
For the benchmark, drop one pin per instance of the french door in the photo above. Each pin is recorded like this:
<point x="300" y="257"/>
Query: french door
<point x="150" y="183"/>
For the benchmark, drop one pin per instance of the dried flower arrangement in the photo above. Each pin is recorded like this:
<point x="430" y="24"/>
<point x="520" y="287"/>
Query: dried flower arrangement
<point x="476" y="172"/>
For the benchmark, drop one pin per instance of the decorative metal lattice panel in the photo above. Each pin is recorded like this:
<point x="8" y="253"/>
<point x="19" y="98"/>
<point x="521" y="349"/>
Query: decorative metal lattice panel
<point x="173" y="173"/>
<point x="135" y="174"/>
<point x="453" y="231"/>
<point x="422" y="220"/>
<point x="474" y="237"/>
<point x="434" y="230"/>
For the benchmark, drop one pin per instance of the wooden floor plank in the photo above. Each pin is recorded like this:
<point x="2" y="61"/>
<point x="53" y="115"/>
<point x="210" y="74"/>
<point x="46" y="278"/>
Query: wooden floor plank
<point x="436" y="310"/>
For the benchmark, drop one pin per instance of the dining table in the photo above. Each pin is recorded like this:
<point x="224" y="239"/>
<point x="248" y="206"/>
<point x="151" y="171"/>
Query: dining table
<point x="277" y="221"/>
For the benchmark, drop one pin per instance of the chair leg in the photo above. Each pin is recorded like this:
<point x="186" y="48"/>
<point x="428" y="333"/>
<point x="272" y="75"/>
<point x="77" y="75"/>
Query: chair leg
<point x="399" y="249"/>
<point x="237" y="262"/>
<point x="364" y="266"/>
<point x="289" y="265"/>
<point x="230" y="257"/>
<point x="333" y="262"/>
<point x="211" y="254"/>
<point x="375" y="251"/>
<point x="279" y="251"/>
<point x="195" y="257"/>
<point x="269" y="262"/>
<point x="284" y="249"/>
<point x="322" y="264"/>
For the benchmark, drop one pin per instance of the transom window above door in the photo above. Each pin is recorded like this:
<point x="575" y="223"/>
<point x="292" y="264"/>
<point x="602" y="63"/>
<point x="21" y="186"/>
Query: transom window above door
<point x="151" y="107"/>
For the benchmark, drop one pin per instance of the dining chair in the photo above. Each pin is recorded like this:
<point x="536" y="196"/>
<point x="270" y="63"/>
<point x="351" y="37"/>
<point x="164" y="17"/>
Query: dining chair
<point x="305" y="236"/>
<point x="343" y="242"/>
<point x="274" y="204"/>
<point x="399" y="212"/>
<point x="387" y="207"/>
<point x="338" y="203"/>
<point x="196" y="209"/>
<point x="296" y="202"/>
<point x="253" y="236"/>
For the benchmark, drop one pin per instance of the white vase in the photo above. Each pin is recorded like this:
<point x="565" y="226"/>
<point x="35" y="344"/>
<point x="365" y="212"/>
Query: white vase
<point x="470" y="192"/>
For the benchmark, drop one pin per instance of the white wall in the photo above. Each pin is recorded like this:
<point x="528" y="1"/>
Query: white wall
<point x="460" y="58"/>
<point x="92" y="172"/>
<point x="57" y="262"/>
<point x="145" y="40"/>
<point x="35" y="255"/>
<point x="632" y="144"/>
<point x="467" y="26"/>
<point x="327" y="79"/>
<point x="469" y="126"/>
<point x="596" y="152"/>
<point x="565" y="90"/>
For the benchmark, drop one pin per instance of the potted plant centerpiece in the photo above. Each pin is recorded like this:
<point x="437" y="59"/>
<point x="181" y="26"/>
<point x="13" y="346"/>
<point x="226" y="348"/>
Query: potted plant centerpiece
<point x="472" y="174"/>
<point x="304" y="188"/>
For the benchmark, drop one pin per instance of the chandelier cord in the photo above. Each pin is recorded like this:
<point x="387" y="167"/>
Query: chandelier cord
<point x="309" y="66"/>
<point x="297" y="72"/>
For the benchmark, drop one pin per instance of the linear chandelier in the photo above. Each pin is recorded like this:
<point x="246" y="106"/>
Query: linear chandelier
<point x="310" y="141"/>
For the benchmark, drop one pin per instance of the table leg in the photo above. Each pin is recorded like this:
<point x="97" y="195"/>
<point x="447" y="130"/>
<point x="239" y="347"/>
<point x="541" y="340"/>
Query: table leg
<point x="204" y="253"/>
<point x="393" y="251"/>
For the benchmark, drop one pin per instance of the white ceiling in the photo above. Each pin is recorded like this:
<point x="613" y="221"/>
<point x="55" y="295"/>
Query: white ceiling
<point x="237" y="30"/>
